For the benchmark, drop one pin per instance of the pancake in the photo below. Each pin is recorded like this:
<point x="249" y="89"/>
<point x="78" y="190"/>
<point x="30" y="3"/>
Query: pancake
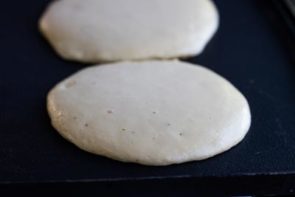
<point x="152" y="112"/>
<point x="95" y="31"/>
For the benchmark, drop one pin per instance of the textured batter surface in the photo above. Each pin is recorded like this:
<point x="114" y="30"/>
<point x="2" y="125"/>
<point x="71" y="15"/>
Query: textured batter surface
<point x="153" y="113"/>
<point x="112" y="30"/>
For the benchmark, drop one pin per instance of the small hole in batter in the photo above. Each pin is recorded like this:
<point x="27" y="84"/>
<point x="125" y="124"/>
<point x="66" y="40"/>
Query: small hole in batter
<point x="70" y="84"/>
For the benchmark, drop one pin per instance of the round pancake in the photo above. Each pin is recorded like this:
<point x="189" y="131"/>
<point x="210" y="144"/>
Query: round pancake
<point x="113" y="30"/>
<point x="152" y="113"/>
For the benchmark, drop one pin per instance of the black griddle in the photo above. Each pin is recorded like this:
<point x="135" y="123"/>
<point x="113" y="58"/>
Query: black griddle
<point x="250" y="48"/>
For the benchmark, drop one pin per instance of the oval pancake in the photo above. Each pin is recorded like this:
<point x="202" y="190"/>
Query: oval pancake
<point x="113" y="30"/>
<point x="152" y="113"/>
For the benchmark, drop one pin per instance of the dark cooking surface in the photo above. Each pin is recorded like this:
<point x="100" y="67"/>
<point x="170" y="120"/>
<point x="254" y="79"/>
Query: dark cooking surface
<point x="248" y="50"/>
